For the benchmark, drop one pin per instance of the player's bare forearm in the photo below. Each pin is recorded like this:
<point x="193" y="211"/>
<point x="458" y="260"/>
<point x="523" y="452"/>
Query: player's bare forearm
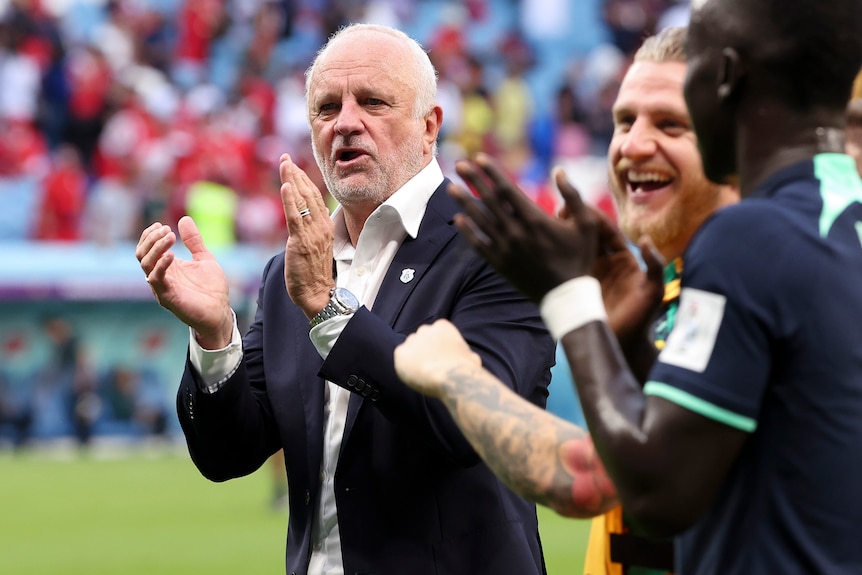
<point x="668" y="462"/>
<point x="640" y="354"/>
<point x="538" y="455"/>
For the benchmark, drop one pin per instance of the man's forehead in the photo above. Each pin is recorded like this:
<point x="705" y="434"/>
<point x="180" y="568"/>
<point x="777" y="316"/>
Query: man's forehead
<point x="655" y="76"/>
<point x="364" y="54"/>
<point x="656" y="86"/>
<point x="356" y="75"/>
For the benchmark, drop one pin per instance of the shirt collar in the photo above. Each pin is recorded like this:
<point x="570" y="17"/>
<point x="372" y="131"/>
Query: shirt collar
<point x="408" y="203"/>
<point x="412" y="198"/>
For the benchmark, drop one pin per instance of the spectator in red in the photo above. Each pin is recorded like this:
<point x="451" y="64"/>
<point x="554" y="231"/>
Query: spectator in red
<point x="448" y="46"/>
<point x="258" y="97"/>
<point x="199" y="22"/>
<point x="23" y="150"/>
<point x="90" y="81"/>
<point x="267" y="27"/>
<point x="260" y="215"/>
<point x="63" y="198"/>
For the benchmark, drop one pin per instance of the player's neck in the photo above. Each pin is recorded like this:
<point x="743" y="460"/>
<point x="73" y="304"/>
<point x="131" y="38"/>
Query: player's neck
<point x="790" y="139"/>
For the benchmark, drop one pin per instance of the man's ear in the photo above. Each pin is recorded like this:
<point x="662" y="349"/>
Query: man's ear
<point x="731" y="73"/>
<point x="433" y="122"/>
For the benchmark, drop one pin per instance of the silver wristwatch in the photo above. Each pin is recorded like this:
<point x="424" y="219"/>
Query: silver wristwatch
<point x="341" y="302"/>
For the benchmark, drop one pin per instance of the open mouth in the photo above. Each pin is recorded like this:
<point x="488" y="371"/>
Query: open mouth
<point x="348" y="155"/>
<point x="645" y="182"/>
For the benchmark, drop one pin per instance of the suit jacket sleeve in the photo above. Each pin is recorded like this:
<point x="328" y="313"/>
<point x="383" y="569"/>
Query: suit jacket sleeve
<point x="232" y="432"/>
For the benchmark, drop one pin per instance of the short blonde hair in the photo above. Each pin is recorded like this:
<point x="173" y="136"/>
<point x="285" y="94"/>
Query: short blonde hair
<point x="666" y="46"/>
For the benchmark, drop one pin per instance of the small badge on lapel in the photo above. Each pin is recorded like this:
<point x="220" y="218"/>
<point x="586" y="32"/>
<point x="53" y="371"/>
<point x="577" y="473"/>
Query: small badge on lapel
<point x="407" y="275"/>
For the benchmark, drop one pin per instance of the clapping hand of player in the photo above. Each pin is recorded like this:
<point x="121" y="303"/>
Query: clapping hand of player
<point x="533" y="250"/>
<point x="537" y="252"/>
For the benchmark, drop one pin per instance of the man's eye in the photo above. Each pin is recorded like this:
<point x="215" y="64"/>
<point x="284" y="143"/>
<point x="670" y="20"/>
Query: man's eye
<point x="624" y="123"/>
<point x="673" y="127"/>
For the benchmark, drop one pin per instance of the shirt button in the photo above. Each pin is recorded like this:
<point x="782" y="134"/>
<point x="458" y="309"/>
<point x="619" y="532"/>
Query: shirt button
<point x="360" y="271"/>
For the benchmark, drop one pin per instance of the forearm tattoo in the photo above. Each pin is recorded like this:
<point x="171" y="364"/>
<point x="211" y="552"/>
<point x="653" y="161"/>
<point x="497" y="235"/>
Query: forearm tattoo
<point x="540" y="456"/>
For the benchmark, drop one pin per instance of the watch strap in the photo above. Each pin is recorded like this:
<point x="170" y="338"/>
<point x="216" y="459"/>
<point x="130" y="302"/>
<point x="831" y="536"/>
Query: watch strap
<point x="332" y="309"/>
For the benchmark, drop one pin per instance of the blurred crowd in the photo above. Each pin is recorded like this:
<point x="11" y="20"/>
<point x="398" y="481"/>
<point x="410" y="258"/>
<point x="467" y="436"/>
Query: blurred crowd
<point x="69" y="395"/>
<point x="120" y="113"/>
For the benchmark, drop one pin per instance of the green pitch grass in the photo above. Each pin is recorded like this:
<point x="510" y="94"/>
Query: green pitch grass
<point x="149" y="512"/>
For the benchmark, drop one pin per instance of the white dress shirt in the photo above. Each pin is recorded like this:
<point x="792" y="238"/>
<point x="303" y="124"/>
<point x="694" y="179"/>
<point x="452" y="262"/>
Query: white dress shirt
<point x="361" y="270"/>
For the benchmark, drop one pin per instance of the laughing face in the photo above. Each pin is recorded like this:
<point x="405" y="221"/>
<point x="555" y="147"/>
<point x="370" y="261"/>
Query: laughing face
<point x="366" y="137"/>
<point x="655" y="169"/>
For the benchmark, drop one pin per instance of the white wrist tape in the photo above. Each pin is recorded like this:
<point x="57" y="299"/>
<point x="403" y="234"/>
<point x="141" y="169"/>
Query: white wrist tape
<point x="572" y="304"/>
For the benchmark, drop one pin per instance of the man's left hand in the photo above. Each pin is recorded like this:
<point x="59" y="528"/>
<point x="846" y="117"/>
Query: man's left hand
<point x="308" y="253"/>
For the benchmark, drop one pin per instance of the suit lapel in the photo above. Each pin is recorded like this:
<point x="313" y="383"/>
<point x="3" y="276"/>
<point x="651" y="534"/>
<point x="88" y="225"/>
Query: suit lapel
<point x="407" y="269"/>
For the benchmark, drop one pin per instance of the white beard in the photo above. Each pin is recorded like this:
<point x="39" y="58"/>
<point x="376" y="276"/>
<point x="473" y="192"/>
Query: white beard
<point x="383" y="180"/>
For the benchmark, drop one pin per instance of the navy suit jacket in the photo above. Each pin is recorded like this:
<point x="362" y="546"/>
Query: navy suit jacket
<point x="413" y="497"/>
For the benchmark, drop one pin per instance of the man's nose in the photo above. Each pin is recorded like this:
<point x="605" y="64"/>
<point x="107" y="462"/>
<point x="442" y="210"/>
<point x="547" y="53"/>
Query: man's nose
<point x="640" y="141"/>
<point x="349" y="119"/>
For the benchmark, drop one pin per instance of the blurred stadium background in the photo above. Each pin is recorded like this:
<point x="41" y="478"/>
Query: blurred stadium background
<point x="115" y="114"/>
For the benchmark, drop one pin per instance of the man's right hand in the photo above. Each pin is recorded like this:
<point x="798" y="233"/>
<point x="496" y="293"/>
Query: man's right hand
<point x="195" y="291"/>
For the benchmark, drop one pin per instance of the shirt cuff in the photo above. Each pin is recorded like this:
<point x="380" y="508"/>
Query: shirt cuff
<point x="216" y="366"/>
<point x="324" y="335"/>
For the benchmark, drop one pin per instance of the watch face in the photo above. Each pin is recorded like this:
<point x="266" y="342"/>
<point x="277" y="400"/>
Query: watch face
<point x="346" y="298"/>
